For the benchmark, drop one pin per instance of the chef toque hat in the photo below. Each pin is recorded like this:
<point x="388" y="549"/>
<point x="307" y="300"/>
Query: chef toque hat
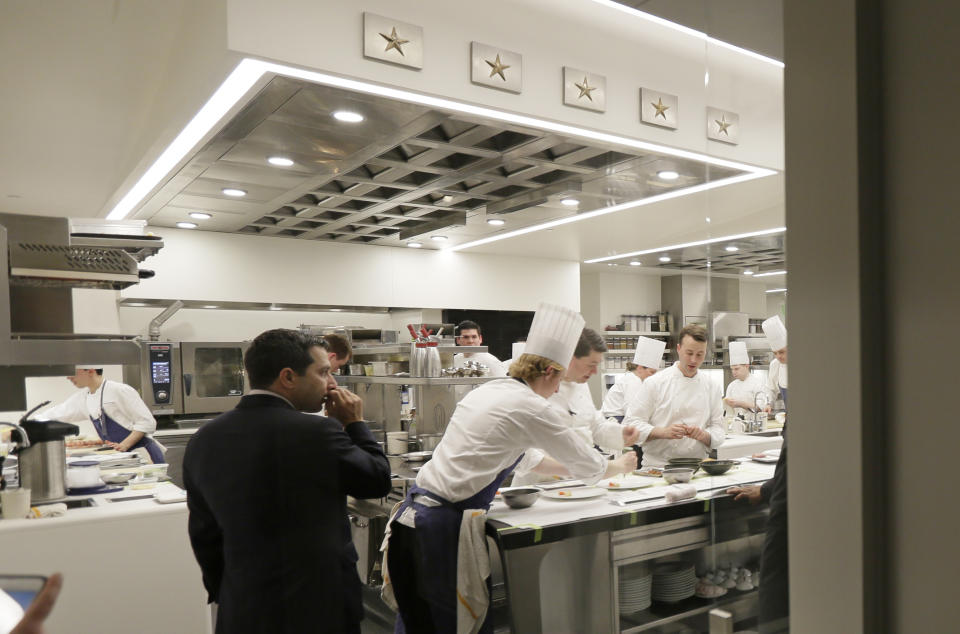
<point x="776" y="333"/>
<point x="517" y="349"/>
<point x="554" y="333"/>
<point x="88" y="366"/>
<point x="738" y="353"/>
<point x="649" y="352"/>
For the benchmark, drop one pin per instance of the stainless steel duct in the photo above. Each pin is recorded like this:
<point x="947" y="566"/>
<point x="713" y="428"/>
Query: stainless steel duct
<point x="158" y="321"/>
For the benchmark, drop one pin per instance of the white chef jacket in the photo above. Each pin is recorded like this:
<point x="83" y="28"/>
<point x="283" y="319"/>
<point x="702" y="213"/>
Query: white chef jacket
<point x="487" y="359"/>
<point x="669" y="397"/>
<point x="121" y="402"/>
<point x="776" y="379"/>
<point x="745" y="390"/>
<point x="615" y="403"/>
<point x="491" y="427"/>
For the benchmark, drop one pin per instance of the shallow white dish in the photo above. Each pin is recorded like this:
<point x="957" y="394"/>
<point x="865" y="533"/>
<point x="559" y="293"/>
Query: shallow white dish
<point x="766" y="459"/>
<point x="577" y="493"/>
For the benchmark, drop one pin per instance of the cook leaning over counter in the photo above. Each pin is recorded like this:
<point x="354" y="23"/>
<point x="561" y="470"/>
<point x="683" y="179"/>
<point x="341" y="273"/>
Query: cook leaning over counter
<point x="573" y="396"/>
<point x="435" y="547"/>
<point x="743" y="389"/>
<point x="117" y="412"/>
<point x="678" y="411"/>
<point x="646" y="361"/>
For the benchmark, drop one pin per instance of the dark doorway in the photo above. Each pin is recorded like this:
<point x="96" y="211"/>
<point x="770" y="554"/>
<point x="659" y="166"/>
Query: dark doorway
<point x="500" y="328"/>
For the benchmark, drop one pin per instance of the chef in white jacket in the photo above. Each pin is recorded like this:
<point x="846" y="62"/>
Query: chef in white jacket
<point x="468" y="334"/>
<point x="116" y="410"/>
<point x="574" y="397"/>
<point x="646" y="361"/>
<point x="743" y="389"/>
<point x="776" y="334"/>
<point x="486" y="438"/>
<point x="679" y="411"/>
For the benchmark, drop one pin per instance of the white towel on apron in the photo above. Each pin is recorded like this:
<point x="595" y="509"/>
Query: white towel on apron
<point x="473" y="568"/>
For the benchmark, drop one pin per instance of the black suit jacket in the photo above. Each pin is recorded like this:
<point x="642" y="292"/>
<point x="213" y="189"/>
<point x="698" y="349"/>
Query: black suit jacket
<point x="266" y="489"/>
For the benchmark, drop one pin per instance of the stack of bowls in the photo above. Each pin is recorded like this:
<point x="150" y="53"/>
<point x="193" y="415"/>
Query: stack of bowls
<point x="636" y="582"/>
<point x="674" y="581"/>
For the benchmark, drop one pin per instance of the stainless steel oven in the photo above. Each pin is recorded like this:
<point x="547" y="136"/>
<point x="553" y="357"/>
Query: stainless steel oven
<point x="177" y="378"/>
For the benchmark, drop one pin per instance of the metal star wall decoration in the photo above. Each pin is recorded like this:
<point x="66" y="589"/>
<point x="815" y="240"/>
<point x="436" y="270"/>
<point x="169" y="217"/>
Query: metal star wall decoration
<point x="394" y="41"/>
<point x="661" y="108"/>
<point x="497" y="67"/>
<point x="722" y="125"/>
<point x="585" y="89"/>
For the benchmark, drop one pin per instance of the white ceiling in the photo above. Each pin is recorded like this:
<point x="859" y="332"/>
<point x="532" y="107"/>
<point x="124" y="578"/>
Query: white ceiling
<point x="84" y="78"/>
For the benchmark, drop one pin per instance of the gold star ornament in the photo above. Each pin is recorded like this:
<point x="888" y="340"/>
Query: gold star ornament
<point x="394" y="41"/>
<point x="722" y="125"/>
<point x="497" y="67"/>
<point x="585" y="89"/>
<point x="661" y="109"/>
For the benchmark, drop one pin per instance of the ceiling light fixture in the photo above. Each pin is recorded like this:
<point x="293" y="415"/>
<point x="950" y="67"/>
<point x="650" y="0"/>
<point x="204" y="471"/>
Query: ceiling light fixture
<point x="447" y="199"/>
<point x="674" y="247"/>
<point x="635" y="263"/>
<point x="664" y="258"/>
<point x="439" y="238"/>
<point x="280" y="161"/>
<point x="570" y="202"/>
<point x="668" y="175"/>
<point x="732" y="248"/>
<point x="748" y="272"/>
<point x="769" y="273"/>
<point x="688" y="31"/>
<point x="199" y="215"/>
<point x="491" y="221"/>
<point x="414" y="245"/>
<point x="611" y="264"/>
<point x="776" y="290"/>
<point x="348" y="117"/>
<point x="211" y="306"/>
<point x="187" y="225"/>
<point x="250" y="73"/>
<point x="233" y="191"/>
<point x="276" y="308"/>
<point x="137" y="304"/>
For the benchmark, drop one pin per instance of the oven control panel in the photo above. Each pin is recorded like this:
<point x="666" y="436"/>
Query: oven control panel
<point x="161" y="364"/>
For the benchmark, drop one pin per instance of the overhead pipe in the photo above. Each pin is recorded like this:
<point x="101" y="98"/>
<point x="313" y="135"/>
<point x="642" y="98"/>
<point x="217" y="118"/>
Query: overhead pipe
<point x="157" y="321"/>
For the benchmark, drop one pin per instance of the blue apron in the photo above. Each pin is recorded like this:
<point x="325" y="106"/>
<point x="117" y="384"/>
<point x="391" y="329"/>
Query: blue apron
<point x="109" y="429"/>
<point x="438" y="535"/>
<point x="783" y="395"/>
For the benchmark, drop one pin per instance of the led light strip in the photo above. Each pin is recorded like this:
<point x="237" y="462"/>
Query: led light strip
<point x="738" y="236"/>
<point x="776" y="290"/>
<point x="700" y="35"/>
<point x="249" y="71"/>
<point x="769" y="273"/>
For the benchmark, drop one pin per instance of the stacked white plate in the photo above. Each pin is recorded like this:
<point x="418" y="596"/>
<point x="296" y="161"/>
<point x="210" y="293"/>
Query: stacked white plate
<point x="635" y="585"/>
<point x="674" y="581"/>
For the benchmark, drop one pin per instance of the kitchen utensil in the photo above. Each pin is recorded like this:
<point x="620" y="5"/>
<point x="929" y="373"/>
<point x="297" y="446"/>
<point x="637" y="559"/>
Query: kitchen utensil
<point x="43" y="465"/>
<point x="429" y="442"/>
<point x="718" y="467"/>
<point x="578" y="493"/>
<point x="679" y="474"/>
<point x="520" y="498"/>
<point x="417" y="456"/>
<point x="690" y="463"/>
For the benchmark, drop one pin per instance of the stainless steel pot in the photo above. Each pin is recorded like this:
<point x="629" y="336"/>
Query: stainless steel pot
<point x="43" y="465"/>
<point x="429" y="442"/>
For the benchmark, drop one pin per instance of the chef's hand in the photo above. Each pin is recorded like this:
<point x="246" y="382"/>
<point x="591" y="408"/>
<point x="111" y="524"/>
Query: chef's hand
<point x="676" y="430"/>
<point x="344" y="405"/>
<point x="697" y="433"/>
<point x="750" y="493"/>
<point x="624" y="464"/>
<point x="631" y="435"/>
<point x="40" y="608"/>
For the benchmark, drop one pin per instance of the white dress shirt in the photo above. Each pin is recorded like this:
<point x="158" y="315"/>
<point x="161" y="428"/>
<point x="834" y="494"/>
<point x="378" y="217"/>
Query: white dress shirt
<point x="615" y="403"/>
<point x="487" y="359"/>
<point x="121" y="402"/>
<point x="745" y="390"/>
<point x="491" y="427"/>
<point x="668" y="397"/>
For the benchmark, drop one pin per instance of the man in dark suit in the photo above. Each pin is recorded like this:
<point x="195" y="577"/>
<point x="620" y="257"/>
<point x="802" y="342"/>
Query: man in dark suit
<point x="266" y="489"/>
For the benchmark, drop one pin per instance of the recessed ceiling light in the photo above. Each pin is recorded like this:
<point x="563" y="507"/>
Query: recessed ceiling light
<point x="199" y="215"/>
<point x="447" y="199"/>
<point x="776" y="290"/>
<point x="335" y="310"/>
<point x="635" y="263"/>
<point x="439" y="238"/>
<point x="611" y="263"/>
<point x="211" y="306"/>
<point x="748" y="272"/>
<point x="348" y="117"/>
<point x="187" y="225"/>
<point x="570" y="202"/>
<point x="668" y="175"/>
<point x="233" y="191"/>
<point x="280" y="161"/>
<point x="134" y="304"/>
<point x="414" y="245"/>
<point x="664" y="258"/>
<point x="731" y="248"/>
<point x="707" y="219"/>
<point x="495" y="221"/>
<point x="276" y="308"/>
<point x="769" y="273"/>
